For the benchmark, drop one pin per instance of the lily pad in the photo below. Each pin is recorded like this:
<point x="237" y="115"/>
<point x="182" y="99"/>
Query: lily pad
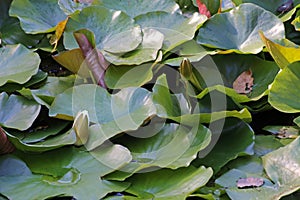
<point x="117" y="32"/>
<point x="280" y="165"/>
<point x="158" y="148"/>
<point x="69" y="7"/>
<point x="283" y="55"/>
<point x="240" y="29"/>
<point x="123" y="111"/>
<point x="17" y="112"/>
<point x="17" y="64"/>
<point x="179" y="31"/>
<point x="46" y="94"/>
<point x="138" y="7"/>
<point x="147" y="51"/>
<point x="37" y="16"/>
<point x="11" y="31"/>
<point x="282" y="96"/>
<point x="117" y="77"/>
<point x="240" y="145"/>
<point x="169" y="184"/>
<point x="69" y="172"/>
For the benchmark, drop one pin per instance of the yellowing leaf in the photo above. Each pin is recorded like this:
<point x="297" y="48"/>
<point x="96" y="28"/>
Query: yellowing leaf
<point x="243" y="83"/>
<point x="283" y="55"/>
<point x="60" y="27"/>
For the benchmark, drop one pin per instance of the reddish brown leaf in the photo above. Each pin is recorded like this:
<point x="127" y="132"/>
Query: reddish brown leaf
<point x="244" y="82"/>
<point x="203" y="9"/>
<point x="5" y="145"/>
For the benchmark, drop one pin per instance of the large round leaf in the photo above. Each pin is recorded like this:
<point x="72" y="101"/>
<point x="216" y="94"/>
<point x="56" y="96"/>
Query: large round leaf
<point x="10" y="29"/>
<point x="176" y="28"/>
<point x="123" y="111"/>
<point x="17" y="112"/>
<point x="169" y="184"/>
<point x="37" y="16"/>
<point x="115" y="32"/>
<point x="17" y="64"/>
<point x="68" y="171"/>
<point x="238" y="29"/>
<point x="284" y="93"/>
<point x="134" y="8"/>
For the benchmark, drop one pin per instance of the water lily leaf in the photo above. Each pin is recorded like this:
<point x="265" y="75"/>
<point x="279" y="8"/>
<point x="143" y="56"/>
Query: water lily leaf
<point x="241" y="37"/>
<point x="6" y="146"/>
<point x="58" y="141"/>
<point x="282" y="96"/>
<point x="36" y="79"/>
<point x="283" y="132"/>
<point x="17" y="64"/>
<point x="270" y="5"/>
<point x="118" y="35"/>
<point x="17" y="112"/>
<point x="283" y="55"/>
<point x="37" y="16"/>
<point x="69" y="172"/>
<point x="169" y="184"/>
<point x="280" y="167"/>
<point x="11" y="31"/>
<point x="138" y="7"/>
<point x="93" y="58"/>
<point x="265" y="144"/>
<point x="69" y="7"/>
<point x="231" y="66"/>
<point x="59" y="29"/>
<point x="123" y="111"/>
<point x="36" y="133"/>
<point x="73" y="60"/>
<point x="158" y="148"/>
<point x="296" y="21"/>
<point x="54" y="85"/>
<point x="240" y="145"/>
<point x="243" y="83"/>
<point x="118" y="77"/>
<point x="161" y="21"/>
<point x="147" y="51"/>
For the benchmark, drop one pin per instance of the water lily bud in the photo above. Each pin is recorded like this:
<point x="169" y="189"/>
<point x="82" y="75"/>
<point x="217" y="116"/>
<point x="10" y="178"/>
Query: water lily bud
<point x="186" y="69"/>
<point x="81" y="126"/>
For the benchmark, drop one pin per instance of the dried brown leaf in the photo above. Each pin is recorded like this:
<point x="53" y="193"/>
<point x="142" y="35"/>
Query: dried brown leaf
<point x="244" y="82"/>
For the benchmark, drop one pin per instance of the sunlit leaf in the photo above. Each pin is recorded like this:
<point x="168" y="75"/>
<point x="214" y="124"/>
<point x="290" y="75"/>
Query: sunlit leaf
<point x="37" y="16"/>
<point x="59" y="30"/>
<point x="240" y="37"/>
<point x="17" y="64"/>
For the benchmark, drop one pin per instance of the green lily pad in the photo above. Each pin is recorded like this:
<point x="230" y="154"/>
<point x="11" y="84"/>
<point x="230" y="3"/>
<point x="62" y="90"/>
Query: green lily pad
<point x="118" y="77"/>
<point x="17" y="64"/>
<point x="46" y="94"/>
<point x="17" y="112"/>
<point x="58" y="141"/>
<point x="69" y="7"/>
<point x="147" y="51"/>
<point x="281" y="166"/>
<point x="169" y="184"/>
<point x="265" y="144"/>
<point x="237" y="135"/>
<point x="240" y="29"/>
<point x="37" y="16"/>
<point x="158" y="148"/>
<point x="70" y="172"/>
<point x="282" y="96"/>
<point x="138" y="7"/>
<point x="123" y="111"/>
<point x="11" y="31"/>
<point x="48" y="127"/>
<point x="176" y="28"/>
<point x="35" y="80"/>
<point x="118" y="35"/>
